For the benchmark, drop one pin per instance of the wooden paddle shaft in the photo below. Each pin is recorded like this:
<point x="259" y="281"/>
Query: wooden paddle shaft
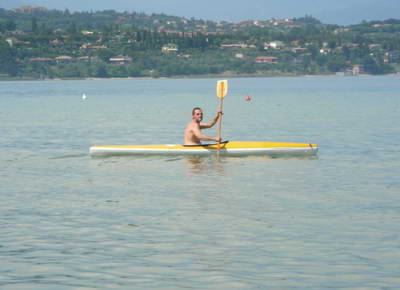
<point x="220" y="122"/>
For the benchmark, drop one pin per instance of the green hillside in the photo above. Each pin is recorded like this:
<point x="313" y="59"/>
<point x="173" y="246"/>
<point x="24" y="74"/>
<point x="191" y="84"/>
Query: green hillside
<point x="40" y="43"/>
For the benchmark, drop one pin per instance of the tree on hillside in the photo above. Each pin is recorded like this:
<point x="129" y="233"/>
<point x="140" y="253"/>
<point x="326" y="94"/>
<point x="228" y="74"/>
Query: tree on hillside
<point x="8" y="25"/>
<point x="34" y="25"/>
<point x="8" y="63"/>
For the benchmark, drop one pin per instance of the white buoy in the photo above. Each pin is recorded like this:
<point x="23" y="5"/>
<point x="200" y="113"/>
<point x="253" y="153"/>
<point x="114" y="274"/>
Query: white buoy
<point x="84" y="97"/>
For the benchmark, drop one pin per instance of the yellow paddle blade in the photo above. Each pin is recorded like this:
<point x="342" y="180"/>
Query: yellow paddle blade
<point x="222" y="88"/>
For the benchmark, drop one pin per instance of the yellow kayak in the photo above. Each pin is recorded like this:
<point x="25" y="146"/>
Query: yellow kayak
<point x="226" y="148"/>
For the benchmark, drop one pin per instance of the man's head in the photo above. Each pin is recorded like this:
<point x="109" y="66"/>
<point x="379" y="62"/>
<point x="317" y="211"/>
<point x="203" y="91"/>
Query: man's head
<point x="197" y="114"/>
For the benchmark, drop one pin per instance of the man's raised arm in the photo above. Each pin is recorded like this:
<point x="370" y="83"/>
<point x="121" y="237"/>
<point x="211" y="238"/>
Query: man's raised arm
<point x="211" y="123"/>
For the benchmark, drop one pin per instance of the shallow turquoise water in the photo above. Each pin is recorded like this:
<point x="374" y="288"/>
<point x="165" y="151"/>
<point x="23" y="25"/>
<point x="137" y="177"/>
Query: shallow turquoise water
<point x="71" y="221"/>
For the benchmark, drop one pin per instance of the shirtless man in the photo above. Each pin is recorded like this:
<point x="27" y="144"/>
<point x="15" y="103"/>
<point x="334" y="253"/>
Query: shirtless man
<point x="193" y="134"/>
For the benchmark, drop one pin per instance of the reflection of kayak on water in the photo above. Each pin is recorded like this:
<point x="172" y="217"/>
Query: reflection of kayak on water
<point x="226" y="148"/>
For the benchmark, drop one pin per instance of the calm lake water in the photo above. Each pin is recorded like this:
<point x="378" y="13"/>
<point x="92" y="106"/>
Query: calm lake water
<point x="69" y="221"/>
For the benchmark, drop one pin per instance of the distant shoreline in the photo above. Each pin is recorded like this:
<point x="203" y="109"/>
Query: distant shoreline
<point x="16" y="79"/>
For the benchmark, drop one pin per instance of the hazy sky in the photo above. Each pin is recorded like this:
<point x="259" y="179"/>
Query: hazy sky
<point x="328" y="11"/>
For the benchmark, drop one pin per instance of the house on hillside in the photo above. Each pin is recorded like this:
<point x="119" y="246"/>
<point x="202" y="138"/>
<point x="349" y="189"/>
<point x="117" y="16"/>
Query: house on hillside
<point x="234" y="45"/>
<point x="266" y="59"/>
<point x="63" y="59"/>
<point x="325" y="50"/>
<point x="30" y="9"/>
<point x="120" y="60"/>
<point x="41" y="60"/>
<point x="87" y="32"/>
<point x="87" y="58"/>
<point x="169" y="48"/>
<point x="92" y="46"/>
<point x="11" y="41"/>
<point x="355" y="70"/>
<point x="55" y="42"/>
<point x="274" y="45"/>
<point x="299" y="49"/>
